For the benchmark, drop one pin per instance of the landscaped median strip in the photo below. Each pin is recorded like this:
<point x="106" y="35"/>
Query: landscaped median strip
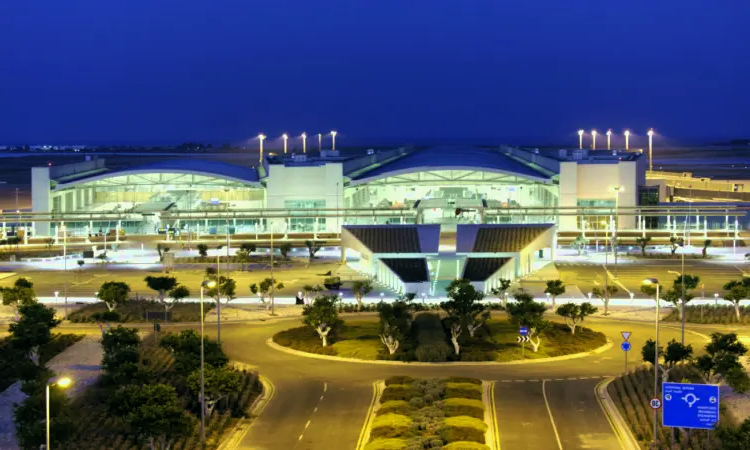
<point x="619" y="426"/>
<point x="243" y="425"/>
<point x="490" y="415"/>
<point x="364" y="435"/>
<point x="290" y="351"/>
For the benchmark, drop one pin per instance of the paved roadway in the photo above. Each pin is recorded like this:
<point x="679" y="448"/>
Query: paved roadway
<point x="322" y="404"/>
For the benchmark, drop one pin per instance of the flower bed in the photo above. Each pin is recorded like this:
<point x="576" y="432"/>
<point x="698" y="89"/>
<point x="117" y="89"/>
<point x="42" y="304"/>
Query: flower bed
<point x="429" y="413"/>
<point x="631" y="394"/>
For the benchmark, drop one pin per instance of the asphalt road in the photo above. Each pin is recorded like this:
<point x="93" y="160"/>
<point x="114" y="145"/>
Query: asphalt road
<point x="322" y="404"/>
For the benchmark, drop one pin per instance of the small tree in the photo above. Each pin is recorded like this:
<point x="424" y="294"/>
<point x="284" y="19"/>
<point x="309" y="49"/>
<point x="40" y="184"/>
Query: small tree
<point x="49" y="242"/>
<point x="676" y="352"/>
<point x="225" y="287"/>
<point x="114" y="294"/>
<point x="736" y="292"/>
<point x="219" y="383"/>
<point x="177" y="294"/>
<point x="395" y="323"/>
<point x="242" y="257"/>
<point x="248" y="247"/>
<point x="580" y="243"/>
<point x="675" y="243"/>
<point x="361" y="288"/>
<point x="186" y="346"/>
<point x="323" y="316"/>
<point x="153" y="411"/>
<point x="643" y="243"/>
<point x="605" y="295"/>
<point x="502" y="291"/>
<point x="33" y="329"/>
<point x="161" y="285"/>
<point x="528" y="313"/>
<point x="22" y="293"/>
<point x="267" y="288"/>
<point x="722" y="361"/>
<point x="80" y="263"/>
<point x="284" y="249"/>
<point x="707" y="243"/>
<point x="202" y="250"/>
<point x="309" y="291"/>
<point x="464" y="309"/>
<point x="555" y="288"/>
<point x="575" y="314"/>
<point x="312" y="248"/>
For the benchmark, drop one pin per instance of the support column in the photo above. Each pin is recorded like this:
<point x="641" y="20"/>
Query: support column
<point x="117" y="232"/>
<point x="26" y="235"/>
<point x="705" y="227"/>
<point x="55" y="233"/>
<point x="4" y="233"/>
<point x="88" y="233"/>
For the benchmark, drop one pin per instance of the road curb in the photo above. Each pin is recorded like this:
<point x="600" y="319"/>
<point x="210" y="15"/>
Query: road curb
<point x="619" y="426"/>
<point x="291" y="351"/>
<point x="364" y="435"/>
<point x="243" y="425"/>
<point x="492" y="436"/>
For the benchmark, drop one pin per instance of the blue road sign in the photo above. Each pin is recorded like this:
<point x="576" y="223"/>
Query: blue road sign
<point x="690" y="405"/>
<point x="625" y="346"/>
<point x="523" y="331"/>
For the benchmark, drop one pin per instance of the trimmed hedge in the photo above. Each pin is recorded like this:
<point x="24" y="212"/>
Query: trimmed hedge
<point x="464" y="407"/>
<point x="431" y="340"/>
<point x="399" y="379"/>
<point x="390" y="426"/>
<point x="464" y="428"/>
<point x="399" y="392"/>
<point x="387" y="444"/>
<point x="463" y="390"/>
<point x="463" y="380"/>
<point x="465" y="445"/>
<point x="394" y="406"/>
<point x="304" y="339"/>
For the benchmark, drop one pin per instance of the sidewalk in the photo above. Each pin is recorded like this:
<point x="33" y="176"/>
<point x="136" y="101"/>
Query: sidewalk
<point x="81" y="362"/>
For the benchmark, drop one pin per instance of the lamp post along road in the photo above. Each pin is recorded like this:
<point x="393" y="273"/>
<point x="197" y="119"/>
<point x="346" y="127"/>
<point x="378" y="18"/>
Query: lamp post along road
<point x="285" y="137"/>
<point x="320" y="141"/>
<point x="656" y="352"/>
<point x="209" y="284"/>
<point x="63" y="382"/>
<point x="627" y="139"/>
<point x="261" y="138"/>
<point x="609" y="139"/>
<point x="593" y="139"/>
<point x="650" y="149"/>
<point x="580" y="139"/>
<point x="333" y="140"/>
<point x="304" y="142"/>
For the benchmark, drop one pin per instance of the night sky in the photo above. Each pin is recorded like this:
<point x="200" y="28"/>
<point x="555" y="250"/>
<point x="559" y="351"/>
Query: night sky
<point x="81" y="71"/>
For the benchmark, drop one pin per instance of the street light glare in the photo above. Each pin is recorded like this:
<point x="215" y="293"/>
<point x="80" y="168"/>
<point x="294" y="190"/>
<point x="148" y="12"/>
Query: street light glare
<point x="285" y="136"/>
<point x="303" y="135"/>
<point x="651" y="132"/>
<point x="210" y="284"/>
<point x="609" y="132"/>
<point x="261" y="136"/>
<point x="627" y="133"/>
<point x="64" y="382"/>
<point x="580" y="132"/>
<point x="650" y="281"/>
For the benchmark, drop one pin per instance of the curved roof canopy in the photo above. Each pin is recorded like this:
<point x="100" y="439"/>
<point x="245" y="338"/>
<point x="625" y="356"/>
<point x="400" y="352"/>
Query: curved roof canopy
<point x="453" y="158"/>
<point x="240" y="174"/>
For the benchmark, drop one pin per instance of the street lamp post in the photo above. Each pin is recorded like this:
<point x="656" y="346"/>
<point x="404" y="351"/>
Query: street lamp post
<point x="654" y="281"/>
<point x="593" y="139"/>
<point x="304" y="142"/>
<point x="261" y="138"/>
<point x="63" y="382"/>
<point x="650" y="149"/>
<point x="285" y="137"/>
<point x="580" y="139"/>
<point x="320" y="141"/>
<point x="209" y="284"/>
<point x="333" y="140"/>
<point x="617" y="190"/>
<point x="609" y="139"/>
<point x="218" y="293"/>
<point x="627" y="139"/>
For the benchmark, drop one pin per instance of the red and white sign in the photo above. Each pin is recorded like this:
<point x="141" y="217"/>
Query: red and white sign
<point x="655" y="403"/>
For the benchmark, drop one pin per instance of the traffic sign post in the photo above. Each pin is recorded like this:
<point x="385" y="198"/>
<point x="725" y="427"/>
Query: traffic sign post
<point x="690" y="405"/>
<point x="523" y="339"/>
<point x="625" y="346"/>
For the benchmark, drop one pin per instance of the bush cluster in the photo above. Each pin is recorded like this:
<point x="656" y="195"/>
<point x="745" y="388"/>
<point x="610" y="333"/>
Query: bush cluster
<point x="135" y="311"/>
<point x="304" y="339"/>
<point x="720" y="314"/>
<point x="463" y="390"/>
<point x="464" y="407"/>
<point x="431" y="339"/>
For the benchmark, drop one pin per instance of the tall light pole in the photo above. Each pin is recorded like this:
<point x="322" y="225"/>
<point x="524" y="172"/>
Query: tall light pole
<point x="218" y="293"/>
<point x="285" y="137"/>
<point x="593" y="139"/>
<point x="333" y="140"/>
<point x="320" y="141"/>
<point x="627" y="139"/>
<point x="261" y="138"/>
<point x="609" y="139"/>
<point x="580" y="139"/>
<point x="63" y="382"/>
<point x="650" y="149"/>
<point x="654" y="281"/>
<point x="304" y="142"/>
<point x="206" y="284"/>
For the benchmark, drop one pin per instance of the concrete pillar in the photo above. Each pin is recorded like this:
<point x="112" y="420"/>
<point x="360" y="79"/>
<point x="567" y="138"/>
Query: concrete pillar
<point x="705" y="227"/>
<point x="669" y="225"/>
<point x="4" y="233"/>
<point x="117" y="231"/>
<point x="55" y="234"/>
<point x="343" y="255"/>
<point x="88" y="232"/>
<point x="26" y="235"/>
<point x="63" y="203"/>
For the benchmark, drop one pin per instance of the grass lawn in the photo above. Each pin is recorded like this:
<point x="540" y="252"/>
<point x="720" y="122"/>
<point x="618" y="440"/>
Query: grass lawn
<point x="359" y="339"/>
<point x="135" y="311"/>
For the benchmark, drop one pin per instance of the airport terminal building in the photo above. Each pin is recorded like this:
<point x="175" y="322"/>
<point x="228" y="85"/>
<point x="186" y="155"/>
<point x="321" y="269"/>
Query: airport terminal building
<point x="575" y="189"/>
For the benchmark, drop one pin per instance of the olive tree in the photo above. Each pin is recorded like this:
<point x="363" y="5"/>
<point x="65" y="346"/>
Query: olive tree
<point x="605" y="295"/>
<point x="501" y="291"/>
<point x="323" y="316"/>
<point x="528" y="313"/>
<point x="575" y="314"/>
<point x="114" y="294"/>
<point x="360" y="288"/>
<point x="554" y="288"/>
<point x="219" y="383"/>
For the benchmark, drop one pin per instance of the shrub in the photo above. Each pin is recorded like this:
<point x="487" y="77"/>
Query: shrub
<point x="416" y="402"/>
<point x="399" y="392"/>
<point x="433" y="352"/>
<point x="387" y="444"/>
<point x="107" y="316"/>
<point x="399" y="379"/>
<point x="464" y="428"/>
<point x="464" y="445"/>
<point x="463" y="380"/>
<point x="395" y="407"/>
<point x="304" y="339"/>
<point x="463" y="390"/>
<point x="464" y="407"/>
<point x="390" y="426"/>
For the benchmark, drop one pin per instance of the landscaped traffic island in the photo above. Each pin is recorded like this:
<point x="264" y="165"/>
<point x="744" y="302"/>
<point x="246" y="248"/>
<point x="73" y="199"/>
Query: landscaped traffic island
<point x="429" y="413"/>
<point x="462" y="329"/>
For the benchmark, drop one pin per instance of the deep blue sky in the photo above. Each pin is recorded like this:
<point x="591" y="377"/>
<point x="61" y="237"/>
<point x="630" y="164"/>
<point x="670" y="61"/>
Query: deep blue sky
<point x="157" y="70"/>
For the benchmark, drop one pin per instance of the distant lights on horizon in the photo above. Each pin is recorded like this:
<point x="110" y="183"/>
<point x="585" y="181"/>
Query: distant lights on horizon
<point x="581" y="132"/>
<point x="285" y="138"/>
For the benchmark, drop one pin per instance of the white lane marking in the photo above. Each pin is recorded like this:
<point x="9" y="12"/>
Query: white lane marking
<point x="315" y="410"/>
<point x="506" y="381"/>
<point x="325" y="387"/>
<point x="551" y="419"/>
<point x="321" y="397"/>
<point x="307" y="424"/>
